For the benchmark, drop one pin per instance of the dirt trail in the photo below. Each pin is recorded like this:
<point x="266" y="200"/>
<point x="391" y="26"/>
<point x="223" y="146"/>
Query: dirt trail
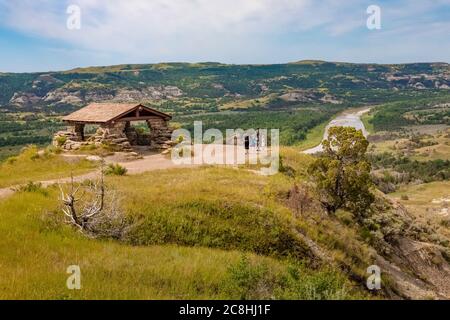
<point x="149" y="162"/>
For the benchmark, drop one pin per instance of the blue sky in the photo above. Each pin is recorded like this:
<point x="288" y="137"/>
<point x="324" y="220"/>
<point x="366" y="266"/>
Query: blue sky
<point x="34" y="34"/>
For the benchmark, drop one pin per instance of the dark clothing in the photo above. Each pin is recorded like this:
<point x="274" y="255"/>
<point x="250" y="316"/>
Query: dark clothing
<point x="247" y="142"/>
<point x="257" y="138"/>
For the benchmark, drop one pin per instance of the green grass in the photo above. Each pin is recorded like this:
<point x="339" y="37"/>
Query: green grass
<point x="33" y="166"/>
<point x="115" y="169"/>
<point x="213" y="207"/>
<point x="423" y="194"/>
<point x="234" y="210"/>
<point x="36" y="250"/>
<point x="313" y="137"/>
<point x="439" y="150"/>
<point x="243" y="104"/>
<point x="192" y="229"/>
<point x="6" y="152"/>
<point x="366" y="119"/>
<point x="36" y="253"/>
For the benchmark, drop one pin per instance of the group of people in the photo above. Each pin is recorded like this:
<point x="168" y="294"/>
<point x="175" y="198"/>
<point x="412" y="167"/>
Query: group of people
<point x="257" y="141"/>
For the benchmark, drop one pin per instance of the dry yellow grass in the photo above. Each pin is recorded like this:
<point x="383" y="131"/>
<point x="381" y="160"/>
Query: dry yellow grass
<point x="440" y="150"/>
<point x="34" y="256"/>
<point x="247" y="103"/>
<point x="428" y="202"/>
<point x="33" y="166"/>
<point x="186" y="213"/>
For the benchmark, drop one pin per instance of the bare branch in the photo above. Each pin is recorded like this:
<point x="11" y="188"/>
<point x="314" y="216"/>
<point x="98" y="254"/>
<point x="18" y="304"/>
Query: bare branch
<point x="96" y="212"/>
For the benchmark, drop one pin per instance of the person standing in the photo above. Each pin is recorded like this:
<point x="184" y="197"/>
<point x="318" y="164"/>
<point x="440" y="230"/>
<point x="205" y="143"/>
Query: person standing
<point x="247" y="143"/>
<point x="257" y="140"/>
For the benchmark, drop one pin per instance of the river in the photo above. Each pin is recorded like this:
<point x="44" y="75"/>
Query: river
<point x="349" y="118"/>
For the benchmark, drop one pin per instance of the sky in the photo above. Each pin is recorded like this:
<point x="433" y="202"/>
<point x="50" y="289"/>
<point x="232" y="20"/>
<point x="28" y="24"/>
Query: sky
<point x="52" y="35"/>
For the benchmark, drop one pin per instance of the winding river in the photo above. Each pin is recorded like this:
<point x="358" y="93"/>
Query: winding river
<point x="349" y="118"/>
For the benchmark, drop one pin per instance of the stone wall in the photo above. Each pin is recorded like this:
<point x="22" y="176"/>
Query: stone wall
<point x="160" y="134"/>
<point x="68" y="140"/>
<point x="112" y="135"/>
<point x="120" y="136"/>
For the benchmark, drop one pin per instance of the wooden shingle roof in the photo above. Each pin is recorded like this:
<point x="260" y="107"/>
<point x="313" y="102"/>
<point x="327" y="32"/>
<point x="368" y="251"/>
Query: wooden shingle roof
<point x="107" y="112"/>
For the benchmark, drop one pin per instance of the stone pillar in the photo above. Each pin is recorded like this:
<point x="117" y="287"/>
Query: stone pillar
<point x="160" y="133"/>
<point x="79" y="131"/>
<point x="131" y="134"/>
<point x="117" y="129"/>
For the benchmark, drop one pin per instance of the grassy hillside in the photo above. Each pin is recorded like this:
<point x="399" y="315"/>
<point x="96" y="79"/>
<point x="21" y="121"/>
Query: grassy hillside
<point x="197" y="234"/>
<point x="428" y="202"/>
<point x="429" y="111"/>
<point x="34" y="165"/>
<point x="219" y="83"/>
<point x="216" y="232"/>
<point x="205" y="233"/>
<point x="34" y="258"/>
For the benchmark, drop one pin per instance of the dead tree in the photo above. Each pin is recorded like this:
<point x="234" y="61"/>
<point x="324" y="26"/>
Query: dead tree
<point x="96" y="211"/>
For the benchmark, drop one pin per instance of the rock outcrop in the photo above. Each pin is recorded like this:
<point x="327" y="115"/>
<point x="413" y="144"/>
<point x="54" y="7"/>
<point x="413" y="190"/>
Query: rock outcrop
<point x="24" y="99"/>
<point x="409" y="253"/>
<point x="63" y="95"/>
<point x="77" y="96"/>
<point x="309" y="96"/>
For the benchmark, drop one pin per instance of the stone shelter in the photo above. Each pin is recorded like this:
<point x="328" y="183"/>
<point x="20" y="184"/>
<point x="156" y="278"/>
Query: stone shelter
<point x="114" y="121"/>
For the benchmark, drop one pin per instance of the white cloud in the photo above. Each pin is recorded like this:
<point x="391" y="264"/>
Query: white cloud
<point x="139" y="27"/>
<point x="220" y="30"/>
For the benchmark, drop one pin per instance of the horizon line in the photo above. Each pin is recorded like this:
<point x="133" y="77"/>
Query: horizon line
<point x="226" y="64"/>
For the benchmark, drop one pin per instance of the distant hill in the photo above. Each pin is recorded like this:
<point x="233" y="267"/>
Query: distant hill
<point x="213" y="85"/>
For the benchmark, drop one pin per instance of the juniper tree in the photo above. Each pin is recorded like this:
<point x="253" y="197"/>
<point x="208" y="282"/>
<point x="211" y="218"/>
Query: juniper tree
<point x="342" y="173"/>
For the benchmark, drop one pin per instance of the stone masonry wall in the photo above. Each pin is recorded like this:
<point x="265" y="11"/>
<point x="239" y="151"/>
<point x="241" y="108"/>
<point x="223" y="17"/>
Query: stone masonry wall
<point x="120" y="135"/>
<point x="160" y="134"/>
<point x="111" y="135"/>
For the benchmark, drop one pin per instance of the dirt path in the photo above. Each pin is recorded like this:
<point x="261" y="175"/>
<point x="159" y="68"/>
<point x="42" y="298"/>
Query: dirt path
<point x="149" y="162"/>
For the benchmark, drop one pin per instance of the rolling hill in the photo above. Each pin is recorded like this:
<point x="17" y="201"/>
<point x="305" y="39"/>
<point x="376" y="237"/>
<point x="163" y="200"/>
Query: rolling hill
<point x="210" y="86"/>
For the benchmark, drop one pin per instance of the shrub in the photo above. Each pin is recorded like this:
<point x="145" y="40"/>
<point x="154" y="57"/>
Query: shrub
<point x="247" y="280"/>
<point x="32" y="187"/>
<point x="285" y="169"/>
<point x="11" y="160"/>
<point x="34" y="165"/>
<point x="115" y="169"/>
<point x="61" y="140"/>
<point x="250" y="281"/>
<point x="52" y="150"/>
<point x="223" y="224"/>
<point x="300" y="199"/>
<point x="88" y="147"/>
